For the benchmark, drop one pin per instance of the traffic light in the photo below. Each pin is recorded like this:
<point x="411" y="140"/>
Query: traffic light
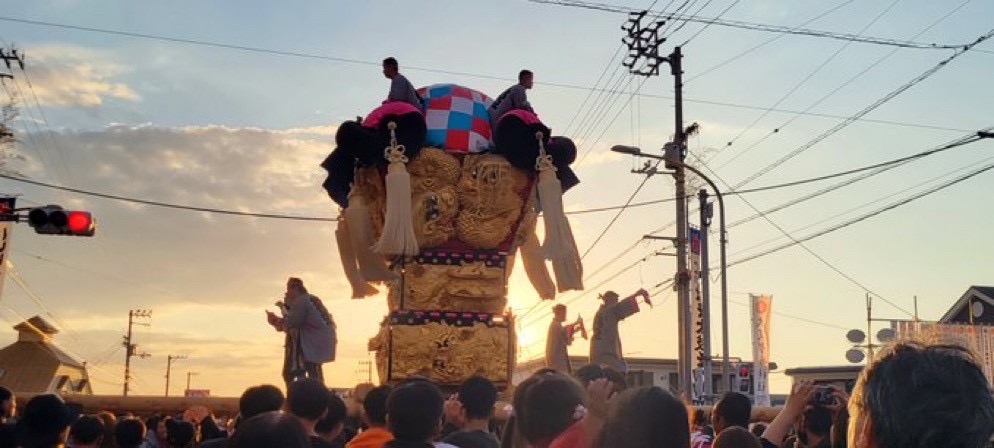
<point x="54" y="220"/>
<point x="744" y="374"/>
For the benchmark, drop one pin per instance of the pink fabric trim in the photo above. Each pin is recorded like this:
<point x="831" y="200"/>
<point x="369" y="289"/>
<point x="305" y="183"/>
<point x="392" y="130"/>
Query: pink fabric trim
<point x="523" y="115"/>
<point x="388" y="108"/>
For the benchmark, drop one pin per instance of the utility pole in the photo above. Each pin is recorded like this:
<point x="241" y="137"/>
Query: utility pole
<point x="643" y="42"/>
<point x="169" y="365"/>
<point x="8" y="56"/>
<point x="188" y="375"/>
<point x="130" y="348"/>
<point x="869" y="333"/>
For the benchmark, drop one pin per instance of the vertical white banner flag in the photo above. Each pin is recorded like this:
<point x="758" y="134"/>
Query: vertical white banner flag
<point x="697" y="355"/>
<point x="760" y="311"/>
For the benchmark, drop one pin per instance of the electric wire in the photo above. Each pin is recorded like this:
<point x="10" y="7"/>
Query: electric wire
<point x="801" y="240"/>
<point x="169" y="205"/>
<point x="761" y="26"/>
<point x="810" y="75"/>
<point x="857" y="76"/>
<point x="845" y="123"/>
<point x="862" y="206"/>
<point x="764" y="43"/>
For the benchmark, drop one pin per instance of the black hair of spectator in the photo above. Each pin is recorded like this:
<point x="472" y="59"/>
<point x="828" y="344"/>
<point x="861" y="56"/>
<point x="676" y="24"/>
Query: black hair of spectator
<point x="549" y="408"/>
<point x="307" y="398"/>
<point x="700" y="418"/>
<point x="512" y="436"/>
<point x="736" y="437"/>
<point x="42" y="422"/>
<point x="258" y="399"/>
<point x="588" y="373"/>
<point x="375" y="405"/>
<point x="758" y="428"/>
<point x="478" y="395"/>
<point x="925" y="395"/>
<point x="152" y="422"/>
<point x="645" y="417"/>
<point x="129" y="433"/>
<point x="617" y="378"/>
<point x="735" y="409"/>
<point x="818" y="420"/>
<point x="5" y="394"/>
<point x="391" y="62"/>
<point x="524" y="74"/>
<point x="270" y="430"/>
<point x="334" y="417"/>
<point x="180" y="434"/>
<point x="110" y="422"/>
<point x="414" y="411"/>
<point x="86" y="430"/>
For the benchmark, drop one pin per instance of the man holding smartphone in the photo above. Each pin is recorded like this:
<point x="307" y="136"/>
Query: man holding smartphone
<point x="311" y="334"/>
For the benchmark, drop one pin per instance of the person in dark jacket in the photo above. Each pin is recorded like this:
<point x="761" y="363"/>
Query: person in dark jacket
<point x="400" y="88"/>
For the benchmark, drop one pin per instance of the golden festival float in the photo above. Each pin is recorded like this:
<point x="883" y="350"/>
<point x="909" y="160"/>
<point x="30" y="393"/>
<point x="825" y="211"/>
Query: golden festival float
<point x="436" y="207"/>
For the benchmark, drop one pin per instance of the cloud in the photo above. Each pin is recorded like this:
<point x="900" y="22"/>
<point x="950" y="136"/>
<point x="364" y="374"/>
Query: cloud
<point x="70" y="76"/>
<point x="207" y="277"/>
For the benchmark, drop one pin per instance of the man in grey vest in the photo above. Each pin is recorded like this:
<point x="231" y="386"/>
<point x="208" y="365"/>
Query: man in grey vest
<point x="311" y="334"/>
<point x="400" y="88"/>
<point x="605" y="344"/>
<point x="515" y="97"/>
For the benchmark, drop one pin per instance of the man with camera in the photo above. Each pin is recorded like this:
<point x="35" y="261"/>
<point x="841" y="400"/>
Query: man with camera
<point x="311" y="335"/>
<point x="815" y="407"/>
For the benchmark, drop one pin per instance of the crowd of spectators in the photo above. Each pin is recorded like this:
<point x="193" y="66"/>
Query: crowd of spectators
<point x="912" y="396"/>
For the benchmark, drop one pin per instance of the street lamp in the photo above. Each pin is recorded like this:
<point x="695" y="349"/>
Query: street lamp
<point x="673" y="158"/>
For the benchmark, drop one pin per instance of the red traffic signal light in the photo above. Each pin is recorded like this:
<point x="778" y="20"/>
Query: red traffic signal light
<point x="54" y="220"/>
<point x="744" y="370"/>
<point x="80" y="222"/>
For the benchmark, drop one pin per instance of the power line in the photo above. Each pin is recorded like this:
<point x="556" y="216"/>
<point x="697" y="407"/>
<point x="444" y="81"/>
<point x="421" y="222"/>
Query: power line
<point x="865" y="205"/>
<point x="763" y="44"/>
<point x="13" y="273"/>
<point x="865" y="216"/>
<point x="809" y="250"/>
<point x="790" y="316"/>
<point x="758" y="26"/>
<point x="882" y="166"/>
<point x="618" y="215"/>
<point x="709" y="23"/>
<point x="810" y="75"/>
<point x="449" y="72"/>
<point x="876" y="170"/>
<point x="849" y="81"/>
<point x="168" y="205"/>
<point x="845" y="123"/>
<point x="628" y="204"/>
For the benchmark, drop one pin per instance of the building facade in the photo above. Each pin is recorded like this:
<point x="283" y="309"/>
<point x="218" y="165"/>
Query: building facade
<point x="34" y="364"/>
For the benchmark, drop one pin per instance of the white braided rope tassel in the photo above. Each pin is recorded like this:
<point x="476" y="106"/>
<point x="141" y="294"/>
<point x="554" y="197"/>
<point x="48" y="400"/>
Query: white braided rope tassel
<point x="559" y="245"/>
<point x="398" y="236"/>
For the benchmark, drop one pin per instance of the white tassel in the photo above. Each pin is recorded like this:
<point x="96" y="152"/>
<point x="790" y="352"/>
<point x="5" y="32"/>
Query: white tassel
<point x="360" y="288"/>
<point x="534" y="262"/>
<point x="559" y="245"/>
<point x="398" y="236"/>
<point x="372" y="267"/>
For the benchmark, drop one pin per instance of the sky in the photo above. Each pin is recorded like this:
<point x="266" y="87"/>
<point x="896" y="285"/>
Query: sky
<point x="168" y="120"/>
